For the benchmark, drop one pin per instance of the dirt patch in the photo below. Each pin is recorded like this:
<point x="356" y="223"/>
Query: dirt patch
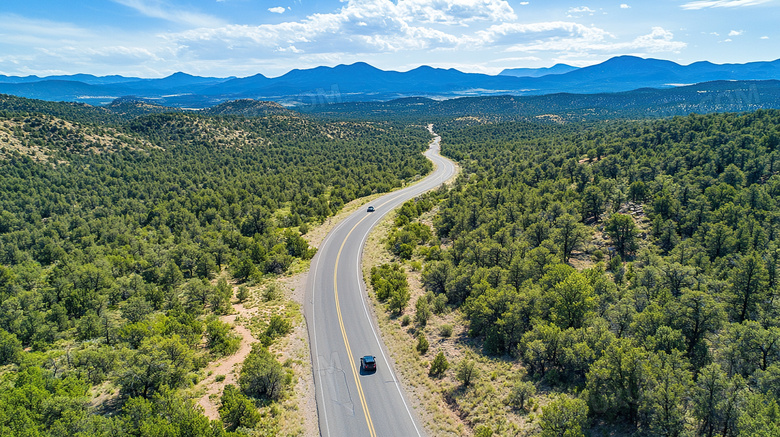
<point x="227" y="367"/>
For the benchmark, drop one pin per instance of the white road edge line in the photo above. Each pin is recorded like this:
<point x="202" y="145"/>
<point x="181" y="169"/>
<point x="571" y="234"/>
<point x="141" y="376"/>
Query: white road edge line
<point x="316" y="349"/>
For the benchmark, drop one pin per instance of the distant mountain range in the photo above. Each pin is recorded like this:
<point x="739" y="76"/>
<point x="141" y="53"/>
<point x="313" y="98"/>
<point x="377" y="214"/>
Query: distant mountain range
<point x="363" y="82"/>
<point x="538" y="72"/>
<point x="703" y="98"/>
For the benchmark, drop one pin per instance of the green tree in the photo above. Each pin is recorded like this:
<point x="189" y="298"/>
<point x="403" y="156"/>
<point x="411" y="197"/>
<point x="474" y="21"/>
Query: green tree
<point x="422" y="311"/>
<point x="219" y="339"/>
<point x="467" y="372"/>
<point x="156" y="364"/>
<point x="592" y="202"/>
<point x="520" y="393"/>
<point x="616" y="382"/>
<point x="278" y="326"/>
<point x="236" y="410"/>
<point x="242" y="294"/>
<point x="399" y="299"/>
<point x="564" y="417"/>
<point x="697" y="315"/>
<point x="623" y="232"/>
<point x="717" y="398"/>
<point x="262" y="376"/>
<point x="10" y="348"/>
<point x="572" y="301"/>
<point x="439" y="365"/>
<point x="748" y="287"/>
<point x="220" y="297"/>
<point x="665" y="402"/>
<point x="422" y="343"/>
<point x="569" y="234"/>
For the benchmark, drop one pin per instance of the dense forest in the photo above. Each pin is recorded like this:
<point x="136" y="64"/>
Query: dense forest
<point x="627" y="273"/>
<point x="703" y="98"/>
<point x="608" y="277"/>
<point x="121" y="240"/>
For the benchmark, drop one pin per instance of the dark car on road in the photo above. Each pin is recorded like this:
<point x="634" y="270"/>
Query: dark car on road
<point x="368" y="363"/>
<point x="370" y="209"/>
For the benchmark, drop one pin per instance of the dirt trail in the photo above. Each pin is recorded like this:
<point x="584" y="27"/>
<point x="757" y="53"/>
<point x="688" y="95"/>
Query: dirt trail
<point x="226" y="365"/>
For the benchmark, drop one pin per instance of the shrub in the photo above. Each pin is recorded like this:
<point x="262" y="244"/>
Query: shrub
<point x="236" y="410"/>
<point x="467" y="372"/>
<point x="422" y="343"/>
<point x="219" y="339"/>
<point x="242" y="294"/>
<point x="272" y="292"/>
<point x="564" y="416"/>
<point x="278" y="327"/>
<point x="262" y="376"/>
<point x="440" y="303"/>
<point x="445" y="330"/>
<point x="422" y="313"/>
<point x="439" y="365"/>
<point x="10" y="348"/>
<point x="520" y="393"/>
<point x="483" y="431"/>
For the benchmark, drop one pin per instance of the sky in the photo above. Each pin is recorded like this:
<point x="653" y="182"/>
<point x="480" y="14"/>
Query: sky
<point x="221" y="38"/>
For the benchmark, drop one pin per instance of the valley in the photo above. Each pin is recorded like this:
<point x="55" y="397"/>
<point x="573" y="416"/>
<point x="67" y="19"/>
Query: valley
<point x="160" y="268"/>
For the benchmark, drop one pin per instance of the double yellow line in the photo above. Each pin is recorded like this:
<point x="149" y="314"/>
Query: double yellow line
<point x="371" y="431"/>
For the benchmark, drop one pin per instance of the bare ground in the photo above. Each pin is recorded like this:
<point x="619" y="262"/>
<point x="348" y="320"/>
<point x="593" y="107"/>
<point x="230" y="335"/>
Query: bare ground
<point x="226" y="366"/>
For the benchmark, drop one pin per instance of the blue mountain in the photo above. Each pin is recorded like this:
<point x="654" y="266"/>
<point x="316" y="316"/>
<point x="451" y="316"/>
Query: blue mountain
<point x="363" y="82"/>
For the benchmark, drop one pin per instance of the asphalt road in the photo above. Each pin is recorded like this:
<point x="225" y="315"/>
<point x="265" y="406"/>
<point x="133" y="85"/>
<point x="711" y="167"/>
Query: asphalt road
<point x="341" y="329"/>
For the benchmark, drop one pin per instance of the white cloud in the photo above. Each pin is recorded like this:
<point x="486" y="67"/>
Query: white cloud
<point x="736" y="32"/>
<point x="277" y="10"/>
<point x="764" y="37"/>
<point x="359" y="26"/>
<point x="524" y="3"/>
<point x="580" y="11"/>
<point x="454" y="11"/>
<point x="701" y="4"/>
<point x="159" y="9"/>
<point x="625" y="6"/>
<point x="658" y="40"/>
<point x="514" y="33"/>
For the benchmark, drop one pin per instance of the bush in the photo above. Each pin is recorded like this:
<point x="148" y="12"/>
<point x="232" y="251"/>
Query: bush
<point x="262" y="376"/>
<point x="440" y="304"/>
<point x="422" y="313"/>
<point x="278" y="327"/>
<point x="272" y="292"/>
<point x="422" y="343"/>
<point x="242" y="294"/>
<point x="483" y="431"/>
<point x="564" y="416"/>
<point x="406" y="320"/>
<point x="520" y="393"/>
<point x="445" y="330"/>
<point x="219" y="339"/>
<point x="10" y="348"/>
<point x="236" y="410"/>
<point x="467" y="372"/>
<point x="439" y="365"/>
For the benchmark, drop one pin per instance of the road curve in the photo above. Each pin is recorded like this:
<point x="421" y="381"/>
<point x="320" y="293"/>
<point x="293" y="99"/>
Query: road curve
<point x="341" y="329"/>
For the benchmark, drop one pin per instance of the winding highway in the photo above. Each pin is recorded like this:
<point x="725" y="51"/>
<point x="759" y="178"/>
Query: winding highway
<point x="341" y="328"/>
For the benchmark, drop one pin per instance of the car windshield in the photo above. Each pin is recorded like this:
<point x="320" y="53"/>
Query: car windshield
<point x="368" y="359"/>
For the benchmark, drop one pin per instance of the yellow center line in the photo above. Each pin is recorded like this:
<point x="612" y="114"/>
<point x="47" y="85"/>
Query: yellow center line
<point x="344" y="334"/>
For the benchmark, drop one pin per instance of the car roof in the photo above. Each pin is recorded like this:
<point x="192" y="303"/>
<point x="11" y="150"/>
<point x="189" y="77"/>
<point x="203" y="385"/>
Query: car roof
<point x="368" y="358"/>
